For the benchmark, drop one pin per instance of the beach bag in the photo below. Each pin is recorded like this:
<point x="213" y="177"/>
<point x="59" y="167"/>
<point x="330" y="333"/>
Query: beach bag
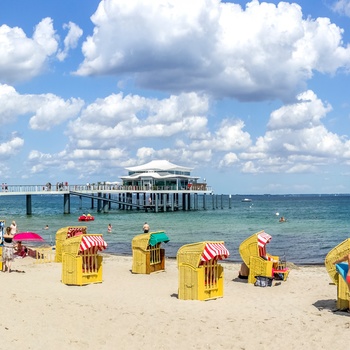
<point x="262" y="281"/>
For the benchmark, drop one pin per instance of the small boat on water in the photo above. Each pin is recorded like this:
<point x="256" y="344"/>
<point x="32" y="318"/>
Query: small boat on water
<point x="87" y="217"/>
<point x="246" y="200"/>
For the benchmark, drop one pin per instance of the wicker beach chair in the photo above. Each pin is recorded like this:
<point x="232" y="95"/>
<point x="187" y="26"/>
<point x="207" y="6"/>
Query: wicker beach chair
<point x="147" y="254"/>
<point x="81" y="263"/>
<point x="200" y="275"/>
<point x="260" y="263"/>
<point x="337" y="273"/>
<point x="62" y="234"/>
<point x="42" y="254"/>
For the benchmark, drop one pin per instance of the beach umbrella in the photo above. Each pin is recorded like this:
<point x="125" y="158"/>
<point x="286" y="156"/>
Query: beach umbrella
<point x="27" y="236"/>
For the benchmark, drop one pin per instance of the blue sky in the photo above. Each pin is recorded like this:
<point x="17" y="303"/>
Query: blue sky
<point x="255" y="96"/>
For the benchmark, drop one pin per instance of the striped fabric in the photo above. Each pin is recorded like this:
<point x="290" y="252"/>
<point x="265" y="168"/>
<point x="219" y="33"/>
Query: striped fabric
<point x="263" y="238"/>
<point x="92" y="241"/>
<point x="214" y="251"/>
<point x="74" y="231"/>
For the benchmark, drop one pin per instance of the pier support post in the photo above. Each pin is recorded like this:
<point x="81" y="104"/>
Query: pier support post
<point x="187" y="204"/>
<point x="138" y="201"/>
<point x="229" y="202"/>
<point x="105" y="204"/>
<point x="66" y="204"/>
<point x="164" y="202"/>
<point x="129" y="197"/>
<point x="172" y="199"/>
<point x="99" y="202"/>
<point x="205" y="201"/>
<point x="29" y="204"/>
<point x="156" y="202"/>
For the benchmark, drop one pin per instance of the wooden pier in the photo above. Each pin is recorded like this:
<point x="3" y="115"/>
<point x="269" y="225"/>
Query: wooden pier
<point x="102" y="197"/>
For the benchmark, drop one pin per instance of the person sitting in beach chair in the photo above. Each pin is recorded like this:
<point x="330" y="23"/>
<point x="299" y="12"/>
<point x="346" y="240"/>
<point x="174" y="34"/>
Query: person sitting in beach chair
<point x="259" y="262"/>
<point x="20" y="250"/>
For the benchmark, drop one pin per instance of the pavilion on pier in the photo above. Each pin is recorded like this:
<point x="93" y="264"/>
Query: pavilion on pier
<point x="162" y="175"/>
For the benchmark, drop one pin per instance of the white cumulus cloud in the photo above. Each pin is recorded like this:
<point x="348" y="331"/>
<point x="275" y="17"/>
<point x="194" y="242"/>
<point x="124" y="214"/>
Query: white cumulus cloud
<point x="71" y="40"/>
<point x="21" y="57"/>
<point x="262" y="51"/>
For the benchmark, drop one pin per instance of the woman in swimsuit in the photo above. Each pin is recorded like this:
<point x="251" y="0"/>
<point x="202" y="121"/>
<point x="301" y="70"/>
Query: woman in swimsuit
<point x="345" y="258"/>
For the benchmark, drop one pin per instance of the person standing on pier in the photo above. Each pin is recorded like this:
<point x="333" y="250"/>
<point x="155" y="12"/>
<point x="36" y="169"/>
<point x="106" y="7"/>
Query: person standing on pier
<point x="145" y="228"/>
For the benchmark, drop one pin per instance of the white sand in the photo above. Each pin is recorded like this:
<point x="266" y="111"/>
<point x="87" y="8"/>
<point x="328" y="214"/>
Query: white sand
<point x="129" y="311"/>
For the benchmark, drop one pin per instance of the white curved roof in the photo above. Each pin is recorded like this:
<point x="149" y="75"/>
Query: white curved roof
<point x="156" y="176"/>
<point x="159" y="165"/>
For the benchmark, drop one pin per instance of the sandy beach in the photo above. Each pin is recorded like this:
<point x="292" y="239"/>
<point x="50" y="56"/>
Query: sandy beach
<point x="130" y="311"/>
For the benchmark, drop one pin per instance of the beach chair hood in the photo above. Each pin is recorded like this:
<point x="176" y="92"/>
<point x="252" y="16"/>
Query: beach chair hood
<point x="195" y="254"/>
<point x="215" y="251"/>
<point x="88" y="241"/>
<point x="158" y="237"/>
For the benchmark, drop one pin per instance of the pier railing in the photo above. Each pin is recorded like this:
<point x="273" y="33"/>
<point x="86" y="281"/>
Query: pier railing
<point x="98" y="187"/>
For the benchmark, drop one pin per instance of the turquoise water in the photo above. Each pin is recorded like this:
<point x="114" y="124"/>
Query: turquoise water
<point x="315" y="224"/>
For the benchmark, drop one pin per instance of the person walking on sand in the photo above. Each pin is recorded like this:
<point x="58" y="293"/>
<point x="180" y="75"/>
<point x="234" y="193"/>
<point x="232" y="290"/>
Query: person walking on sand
<point x="7" y="250"/>
<point x="145" y="228"/>
<point x="345" y="258"/>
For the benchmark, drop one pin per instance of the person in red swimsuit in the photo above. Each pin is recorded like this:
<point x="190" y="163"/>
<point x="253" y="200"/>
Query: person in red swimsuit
<point x="345" y="258"/>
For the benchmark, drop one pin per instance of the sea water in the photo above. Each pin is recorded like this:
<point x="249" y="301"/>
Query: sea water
<point x="314" y="223"/>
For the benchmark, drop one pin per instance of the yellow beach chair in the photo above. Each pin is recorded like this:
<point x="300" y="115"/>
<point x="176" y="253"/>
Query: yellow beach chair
<point x="147" y="254"/>
<point x="62" y="234"/>
<point x="260" y="263"/>
<point x="200" y="275"/>
<point x="343" y="294"/>
<point x="81" y="263"/>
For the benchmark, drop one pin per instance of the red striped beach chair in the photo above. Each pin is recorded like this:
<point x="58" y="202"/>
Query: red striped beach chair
<point x="200" y="275"/>
<point x="81" y="263"/>
<point x="62" y="234"/>
<point x="260" y="263"/>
